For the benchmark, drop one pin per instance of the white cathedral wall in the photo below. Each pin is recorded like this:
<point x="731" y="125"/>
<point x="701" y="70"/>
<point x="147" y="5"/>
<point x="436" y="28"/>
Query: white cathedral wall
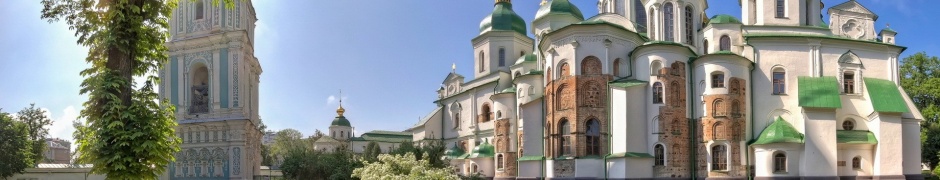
<point x="618" y="120"/>
<point x="848" y="151"/>
<point x="792" y="57"/>
<point x="532" y="129"/>
<point x="875" y="60"/>
<point x="888" y="153"/>
<point x="637" y="121"/>
<point x="589" y="168"/>
<point x="766" y="13"/>
<point x="763" y="159"/>
<point x="528" y="169"/>
<point x="911" y="148"/>
<point x="820" y="143"/>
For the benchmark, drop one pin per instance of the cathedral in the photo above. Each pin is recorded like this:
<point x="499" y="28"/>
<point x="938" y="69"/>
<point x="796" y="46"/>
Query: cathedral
<point x="212" y="77"/>
<point x="658" y="89"/>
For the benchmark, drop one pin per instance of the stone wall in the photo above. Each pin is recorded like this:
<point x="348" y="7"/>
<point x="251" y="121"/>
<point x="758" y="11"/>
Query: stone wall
<point x="724" y="123"/>
<point x="674" y="123"/>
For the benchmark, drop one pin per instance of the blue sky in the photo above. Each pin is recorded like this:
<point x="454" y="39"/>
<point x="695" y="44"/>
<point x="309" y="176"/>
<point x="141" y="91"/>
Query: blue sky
<point x="387" y="56"/>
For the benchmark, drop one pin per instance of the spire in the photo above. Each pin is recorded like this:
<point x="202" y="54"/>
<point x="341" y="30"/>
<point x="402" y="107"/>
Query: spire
<point x="340" y="110"/>
<point x="453" y="68"/>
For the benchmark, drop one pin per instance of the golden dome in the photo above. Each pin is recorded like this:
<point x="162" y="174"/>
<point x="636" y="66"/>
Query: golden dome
<point x="340" y="110"/>
<point x="507" y="1"/>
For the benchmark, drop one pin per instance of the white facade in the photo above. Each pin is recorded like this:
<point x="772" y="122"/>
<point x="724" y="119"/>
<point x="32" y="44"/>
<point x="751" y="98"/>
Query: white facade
<point x="684" y="98"/>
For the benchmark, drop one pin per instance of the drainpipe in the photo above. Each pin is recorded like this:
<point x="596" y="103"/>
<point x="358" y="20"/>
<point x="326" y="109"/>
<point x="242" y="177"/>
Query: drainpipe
<point x="747" y="154"/>
<point x="543" y="137"/>
<point x="691" y="113"/>
<point x="609" y="145"/>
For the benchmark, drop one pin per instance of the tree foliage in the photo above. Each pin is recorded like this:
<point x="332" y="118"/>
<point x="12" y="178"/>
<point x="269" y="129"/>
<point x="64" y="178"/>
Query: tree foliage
<point x="16" y="147"/>
<point x="128" y="133"/>
<point x="920" y="78"/>
<point x="307" y="163"/>
<point x="402" y="167"/>
<point x="36" y="124"/>
<point x="371" y="152"/>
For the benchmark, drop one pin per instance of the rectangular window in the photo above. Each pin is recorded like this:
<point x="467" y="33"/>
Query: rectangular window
<point x="718" y="80"/>
<point x="848" y="83"/>
<point x="780" y="8"/>
<point x="779" y="83"/>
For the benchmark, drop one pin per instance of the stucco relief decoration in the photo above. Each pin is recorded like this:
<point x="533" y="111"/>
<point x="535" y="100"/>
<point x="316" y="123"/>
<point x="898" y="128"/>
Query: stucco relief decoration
<point x="853" y="29"/>
<point x="235" y="79"/>
<point x="236" y="156"/>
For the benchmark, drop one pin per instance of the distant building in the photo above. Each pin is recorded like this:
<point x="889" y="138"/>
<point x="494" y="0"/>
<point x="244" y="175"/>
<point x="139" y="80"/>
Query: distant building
<point x="58" y="172"/>
<point x="341" y="135"/>
<point x="268" y="138"/>
<point x="57" y="151"/>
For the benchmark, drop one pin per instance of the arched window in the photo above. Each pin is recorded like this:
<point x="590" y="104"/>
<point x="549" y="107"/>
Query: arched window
<point x="715" y="130"/>
<point x="349" y="134"/>
<point x="659" y="155"/>
<point x="857" y="163"/>
<point x="669" y="22"/>
<point x="200" y="10"/>
<point x="199" y="99"/>
<point x="485" y="113"/>
<point x="561" y="96"/>
<point x="718" y="79"/>
<point x="565" y="133"/>
<point x="848" y="82"/>
<point x="675" y="94"/>
<point x="473" y="168"/>
<point x="591" y="65"/>
<point x="482" y="61"/>
<point x="718" y="108"/>
<point x="499" y="114"/>
<point x="724" y="43"/>
<point x="689" y="33"/>
<point x="676" y="129"/>
<point x="719" y="158"/>
<point x="517" y="74"/>
<point x="705" y="47"/>
<point x="617" y="67"/>
<point x="651" y="23"/>
<point x="341" y="134"/>
<point x="563" y="70"/>
<point x="502" y="57"/>
<point x="779" y="81"/>
<point x="780" y="8"/>
<point x="499" y="162"/>
<point x="655" y="68"/>
<point x="780" y="163"/>
<point x="848" y="124"/>
<point x="593" y="137"/>
<point x="457" y="120"/>
<point x="640" y="15"/>
<point x="657" y="93"/>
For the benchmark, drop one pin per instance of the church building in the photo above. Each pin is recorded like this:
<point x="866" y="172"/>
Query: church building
<point x="658" y="89"/>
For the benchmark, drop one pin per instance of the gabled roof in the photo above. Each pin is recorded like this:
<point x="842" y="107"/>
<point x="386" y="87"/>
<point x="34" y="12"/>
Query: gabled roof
<point x="426" y="118"/>
<point x="850" y="57"/>
<point x="450" y="76"/>
<point x="779" y="131"/>
<point x="854" y="6"/>
<point x="385" y="136"/>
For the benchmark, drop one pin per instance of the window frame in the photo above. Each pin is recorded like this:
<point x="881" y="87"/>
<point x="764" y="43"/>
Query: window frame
<point x="719" y="158"/>
<point x="780" y="165"/>
<point x="669" y="22"/>
<point x="779" y="85"/>
<point x="482" y="61"/>
<point x="564" y="133"/>
<point x="780" y="9"/>
<point x="857" y="163"/>
<point x="500" y="162"/>
<point x="848" y="124"/>
<point x="593" y="136"/>
<point x="689" y="25"/>
<point x="658" y="93"/>
<point x="718" y="79"/>
<point x="502" y="56"/>
<point x="659" y="155"/>
<point x="724" y="43"/>
<point x="849" y="83"/>
<point x="641" y="17"/>
<point x="199" y="12"/>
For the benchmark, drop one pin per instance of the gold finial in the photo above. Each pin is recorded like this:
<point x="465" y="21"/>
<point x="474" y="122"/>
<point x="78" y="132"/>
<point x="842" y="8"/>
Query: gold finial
<point x="506" y="1"/>
<point x="340" y="110"/>
<point x="543" y="2"/>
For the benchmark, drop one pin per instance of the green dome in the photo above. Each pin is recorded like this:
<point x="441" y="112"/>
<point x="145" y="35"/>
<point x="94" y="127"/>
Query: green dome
<point x="527" y="57"/>
<point x="454" y="152"/>
<point x="503" y="18"/>
<point x="779" y="131"/>
<point x="724" y="19"/>
<point x="483" y="150"/>
<point x="340" y="121"/>
<point x="559" y="7"/>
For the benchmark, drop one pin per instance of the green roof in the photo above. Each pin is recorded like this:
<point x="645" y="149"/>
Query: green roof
<point x="625" y="83"/>
<point x="340" y="121"/>
<point x="385" y="136"/>
<point x="724" y="19"/>
<point x="482" y="151"/>
<point x="526" y="58"/>
<point x="454" y="152"/>
<point x="779" y="131"/>
<point x="535" y="72"/>
<point x="326" y="139"/>
<point x="790" y="35"/>
<point x="856" y="137"/>
<point x="503" y="18"/>
<point x="819" y="92"/>
<point x="531" y="158"/>
<point x="629" y="155"/>
<point x="888" y="29"/>
<point x="885" y="96"/>
<point x="559" y="7"/>
<point x="508" y="90"/>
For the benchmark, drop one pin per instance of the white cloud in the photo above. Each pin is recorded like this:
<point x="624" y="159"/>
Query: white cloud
<point x="333" y="100"/>
<point x="62" y="125"/>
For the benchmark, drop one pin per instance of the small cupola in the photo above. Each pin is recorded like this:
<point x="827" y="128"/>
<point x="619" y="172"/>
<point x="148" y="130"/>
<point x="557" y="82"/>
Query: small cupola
<point x="887" y="35"/>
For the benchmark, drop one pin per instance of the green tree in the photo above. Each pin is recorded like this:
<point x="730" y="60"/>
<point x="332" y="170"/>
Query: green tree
<point x="920" y="78"/>
<point x="128" y="132"/>
<point x="16" y="147"/>
<point x="371" y="152"/>
<point x="307" y="163"/>
<point x="402" y="167"/>
<point x="36" y="124"/>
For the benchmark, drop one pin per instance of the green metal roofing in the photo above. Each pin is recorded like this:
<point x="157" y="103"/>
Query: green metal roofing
<point x="856" y="137"/>
<point x="340" y="121"/>
<point x="385" y="136"/>
<point x="507" y="90"/>
<point x="819" y="92"/>
<point x="625" y="83"/>
<point x="724" y="19"/>
<point x="482" y="151"/>
<point x="885" y="96"/>
<point x="786" y="35"/>
<point x="599" y="21"/>
<point x="454" y="152"/>
<point x="779" y="131"/>
<point x="535" y="72"/>
<point x="503" y="18"/>
<point x="526" y="58"/>
<point x="531" y="158"/>
<point x="559" y="7"/>
<point x="888" y="29"/>
<point x="629" y="155"/>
